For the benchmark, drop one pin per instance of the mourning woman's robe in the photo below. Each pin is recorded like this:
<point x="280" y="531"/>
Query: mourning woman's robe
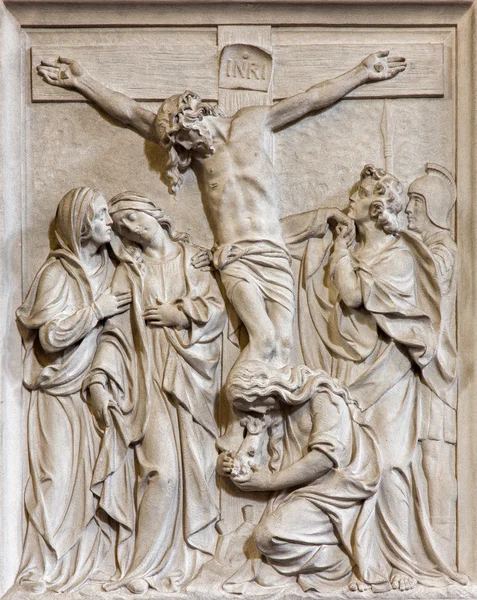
<point x="66" y="540"/>
<point x="160" y="447"/>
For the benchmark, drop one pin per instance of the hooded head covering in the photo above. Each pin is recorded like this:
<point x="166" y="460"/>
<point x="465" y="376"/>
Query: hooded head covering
<point x="71" y="216"/>
<point x="70" y="221"/>
<point x="132" y="201"/>
<point x="135" y="201"/>
<point x="439" y="190"/>
<point x="60" y="288"/>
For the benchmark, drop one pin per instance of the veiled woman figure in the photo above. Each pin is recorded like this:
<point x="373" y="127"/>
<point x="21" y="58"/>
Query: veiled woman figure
<point x="153" y="388"/>
<point x="59" y="321"/>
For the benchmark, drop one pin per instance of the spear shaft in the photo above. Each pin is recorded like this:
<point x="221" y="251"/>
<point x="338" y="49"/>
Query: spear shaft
<point x="388" y="127"/>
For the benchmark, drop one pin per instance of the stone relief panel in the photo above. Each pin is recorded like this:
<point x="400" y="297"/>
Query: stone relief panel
<point x="240" y="330"/>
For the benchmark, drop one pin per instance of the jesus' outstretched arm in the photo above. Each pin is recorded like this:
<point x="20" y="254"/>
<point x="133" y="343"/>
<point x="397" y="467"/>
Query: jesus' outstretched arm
<point x="376" y="67"/>
<point x="70" y="74"/>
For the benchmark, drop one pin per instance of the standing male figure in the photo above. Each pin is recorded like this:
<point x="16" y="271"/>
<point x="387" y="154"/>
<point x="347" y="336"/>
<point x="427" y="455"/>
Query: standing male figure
<point x="431" y="200"/>
<point x="240" y="194"/>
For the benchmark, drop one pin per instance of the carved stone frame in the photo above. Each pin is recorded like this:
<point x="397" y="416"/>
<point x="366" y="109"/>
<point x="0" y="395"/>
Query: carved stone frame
<point x="14" y="16"/>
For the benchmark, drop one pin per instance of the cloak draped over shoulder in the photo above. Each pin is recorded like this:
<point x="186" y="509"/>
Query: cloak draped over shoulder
<point x="58" y="322"/>
<point x="379" y="351"/>
<point x="164" y="384"/>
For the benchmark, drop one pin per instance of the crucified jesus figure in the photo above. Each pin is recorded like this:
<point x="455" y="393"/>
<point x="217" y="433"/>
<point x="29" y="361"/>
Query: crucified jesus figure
<point x="232" y="162"/>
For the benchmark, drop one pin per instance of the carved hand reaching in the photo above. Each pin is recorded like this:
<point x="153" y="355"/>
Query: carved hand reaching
<point x="109" y="304"/>
<point x="225" y="463"/>
<point x="345" y="225"/>
<point x="65" y="72"/>
<point x="343" y="237"/>
<point x="99" y="401"/>
<point x="70" y="74"/>
<point x="202" y="260"/>
<point x="166" y="315"/>
<point x="254" y="481"/>
<point x="380" y="66"/>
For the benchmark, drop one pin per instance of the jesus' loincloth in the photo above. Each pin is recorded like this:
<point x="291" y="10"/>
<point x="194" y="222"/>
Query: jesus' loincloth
<point x="264" y="265"/>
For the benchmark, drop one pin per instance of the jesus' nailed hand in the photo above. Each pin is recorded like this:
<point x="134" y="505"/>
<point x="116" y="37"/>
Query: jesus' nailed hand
<point x="230" y="156"/>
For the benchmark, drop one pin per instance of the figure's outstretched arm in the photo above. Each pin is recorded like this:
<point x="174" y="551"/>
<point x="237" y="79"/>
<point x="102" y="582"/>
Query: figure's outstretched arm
<point x="313" y="223"/>
<point x="376" y="67"/>
<point x="68" y="73"/>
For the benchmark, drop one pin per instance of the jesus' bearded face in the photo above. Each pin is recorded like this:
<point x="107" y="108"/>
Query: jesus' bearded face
<point x="196" y="140"/>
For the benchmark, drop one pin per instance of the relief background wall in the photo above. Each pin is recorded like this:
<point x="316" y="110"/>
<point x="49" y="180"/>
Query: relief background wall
<point x="49" y="146"/>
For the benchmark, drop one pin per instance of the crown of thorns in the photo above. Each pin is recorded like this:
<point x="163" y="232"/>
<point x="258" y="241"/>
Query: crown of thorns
<point x="177" y="111"/>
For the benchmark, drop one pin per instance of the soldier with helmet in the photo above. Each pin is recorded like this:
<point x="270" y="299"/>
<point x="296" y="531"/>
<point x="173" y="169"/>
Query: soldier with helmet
<point x="431" y="201"/>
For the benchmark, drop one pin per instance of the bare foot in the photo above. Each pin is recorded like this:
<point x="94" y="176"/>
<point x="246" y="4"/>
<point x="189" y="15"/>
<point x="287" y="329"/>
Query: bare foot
<point x="356" y="585"/>
<point x="34" y="587"/>
<point x="138" y="586"/>
<point x="401" y="581"/>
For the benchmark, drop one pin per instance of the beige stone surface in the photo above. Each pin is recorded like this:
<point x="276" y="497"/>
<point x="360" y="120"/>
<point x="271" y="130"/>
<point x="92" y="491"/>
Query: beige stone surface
<point x="51" y="143"/>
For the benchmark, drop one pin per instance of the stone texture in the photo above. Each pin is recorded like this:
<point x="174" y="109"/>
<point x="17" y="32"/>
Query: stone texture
<point x="50" y="147"/>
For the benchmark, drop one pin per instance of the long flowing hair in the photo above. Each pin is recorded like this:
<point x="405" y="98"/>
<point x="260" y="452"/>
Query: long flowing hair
<point x="178" y="113"/>
<point x="256" y="390"/>
<point x="253" y="386"/>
